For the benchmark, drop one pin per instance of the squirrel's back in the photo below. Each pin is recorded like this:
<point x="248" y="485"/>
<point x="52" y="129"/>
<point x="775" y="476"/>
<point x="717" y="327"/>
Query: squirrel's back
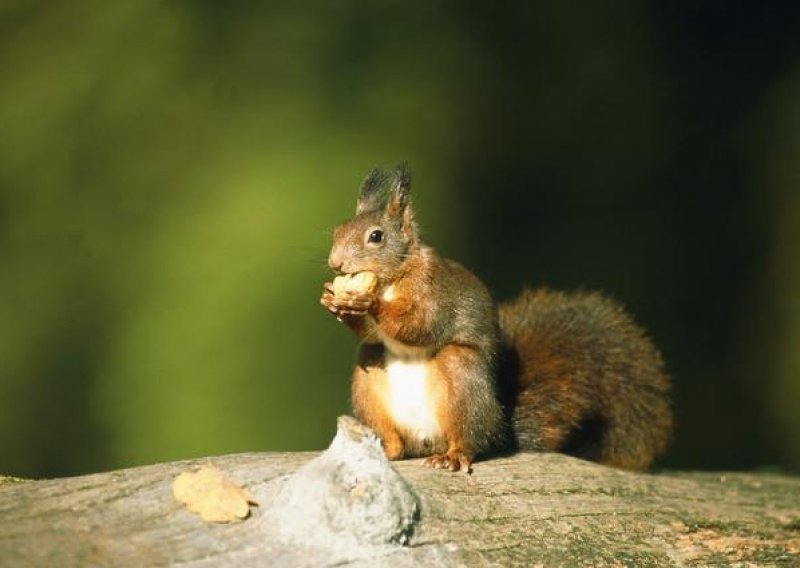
<point x="579" y="376"/>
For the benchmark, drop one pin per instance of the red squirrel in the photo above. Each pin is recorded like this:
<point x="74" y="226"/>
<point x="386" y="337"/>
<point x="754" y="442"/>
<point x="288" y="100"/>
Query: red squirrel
<point x="443" y="373"/>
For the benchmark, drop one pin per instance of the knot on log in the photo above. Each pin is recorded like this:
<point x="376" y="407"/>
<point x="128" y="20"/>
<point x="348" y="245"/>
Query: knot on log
<point x="349" y="495"/>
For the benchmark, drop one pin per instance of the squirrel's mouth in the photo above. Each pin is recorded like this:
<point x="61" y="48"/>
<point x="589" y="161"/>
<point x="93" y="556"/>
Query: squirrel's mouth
<point x="345" y="271"/>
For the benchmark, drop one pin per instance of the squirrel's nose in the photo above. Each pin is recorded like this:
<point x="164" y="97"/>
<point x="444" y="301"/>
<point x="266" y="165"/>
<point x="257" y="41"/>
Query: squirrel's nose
<point x="335" y="262"/>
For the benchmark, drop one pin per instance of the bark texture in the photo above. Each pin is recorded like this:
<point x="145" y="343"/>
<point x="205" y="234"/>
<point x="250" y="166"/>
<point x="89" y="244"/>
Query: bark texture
<point x="349" y="506"/>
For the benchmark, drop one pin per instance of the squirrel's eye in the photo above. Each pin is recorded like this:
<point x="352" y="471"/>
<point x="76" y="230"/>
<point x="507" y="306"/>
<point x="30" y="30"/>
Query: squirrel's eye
<point x="375" y="236"/>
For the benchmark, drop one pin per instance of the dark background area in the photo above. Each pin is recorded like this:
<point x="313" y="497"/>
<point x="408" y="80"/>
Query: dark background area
<point x="170" y="173"/>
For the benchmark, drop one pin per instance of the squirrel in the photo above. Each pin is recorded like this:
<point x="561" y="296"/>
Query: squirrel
<point x="443" y="373"/>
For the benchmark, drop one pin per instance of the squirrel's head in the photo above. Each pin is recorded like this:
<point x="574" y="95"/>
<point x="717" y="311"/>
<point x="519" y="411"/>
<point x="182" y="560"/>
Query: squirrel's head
<point x="383" y="233"/>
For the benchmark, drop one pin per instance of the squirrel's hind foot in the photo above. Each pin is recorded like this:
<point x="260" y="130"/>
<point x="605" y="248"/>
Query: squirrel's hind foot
<point x="453" y="461"/>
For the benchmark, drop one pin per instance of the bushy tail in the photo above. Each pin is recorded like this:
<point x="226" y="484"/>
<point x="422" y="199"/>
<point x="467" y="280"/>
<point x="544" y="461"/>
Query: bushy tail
<point x="579" y="376"/>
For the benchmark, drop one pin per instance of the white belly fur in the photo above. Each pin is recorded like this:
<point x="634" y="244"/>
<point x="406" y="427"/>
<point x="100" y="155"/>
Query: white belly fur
<point x="408" y="400"/>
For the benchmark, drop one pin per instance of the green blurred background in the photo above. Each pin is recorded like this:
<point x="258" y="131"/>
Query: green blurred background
<point x="170" y="173"/>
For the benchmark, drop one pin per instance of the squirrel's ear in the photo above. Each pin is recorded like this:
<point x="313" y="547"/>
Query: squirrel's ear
<point x="399" y="204"/>
<point x="372" y="196"/>
<point x="400" y="193"/>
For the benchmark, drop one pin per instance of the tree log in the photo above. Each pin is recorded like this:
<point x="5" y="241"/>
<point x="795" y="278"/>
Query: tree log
<point x="349" y="506"/>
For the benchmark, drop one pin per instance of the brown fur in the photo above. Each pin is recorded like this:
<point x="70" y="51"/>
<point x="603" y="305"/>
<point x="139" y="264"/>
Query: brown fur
<point x="548" y="372"/>
<point x="587" y="379"/>
<point x="461" y="342"/>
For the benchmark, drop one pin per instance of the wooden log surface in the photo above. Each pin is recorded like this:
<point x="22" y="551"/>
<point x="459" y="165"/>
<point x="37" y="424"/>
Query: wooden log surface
<point x="347" y="506"/>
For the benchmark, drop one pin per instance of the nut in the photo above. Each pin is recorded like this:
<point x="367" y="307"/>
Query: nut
<point x="359" y="283"/>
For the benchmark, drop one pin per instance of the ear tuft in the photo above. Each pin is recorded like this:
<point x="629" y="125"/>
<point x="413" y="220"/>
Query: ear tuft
<point x="372" y="195"/>
<point x="401" y="184"/>
<point x="399" y="204"/>
<point x="400" y="193"/>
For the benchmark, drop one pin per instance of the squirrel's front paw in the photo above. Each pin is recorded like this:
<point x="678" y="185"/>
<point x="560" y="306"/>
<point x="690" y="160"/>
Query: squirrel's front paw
<point x="452" y="460"/>
<point x="347" y="303"/>
<point x="328" y="299"/>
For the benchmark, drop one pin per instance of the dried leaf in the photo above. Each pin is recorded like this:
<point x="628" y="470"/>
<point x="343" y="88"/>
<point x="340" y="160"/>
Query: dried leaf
<point x="212" y="495"/>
